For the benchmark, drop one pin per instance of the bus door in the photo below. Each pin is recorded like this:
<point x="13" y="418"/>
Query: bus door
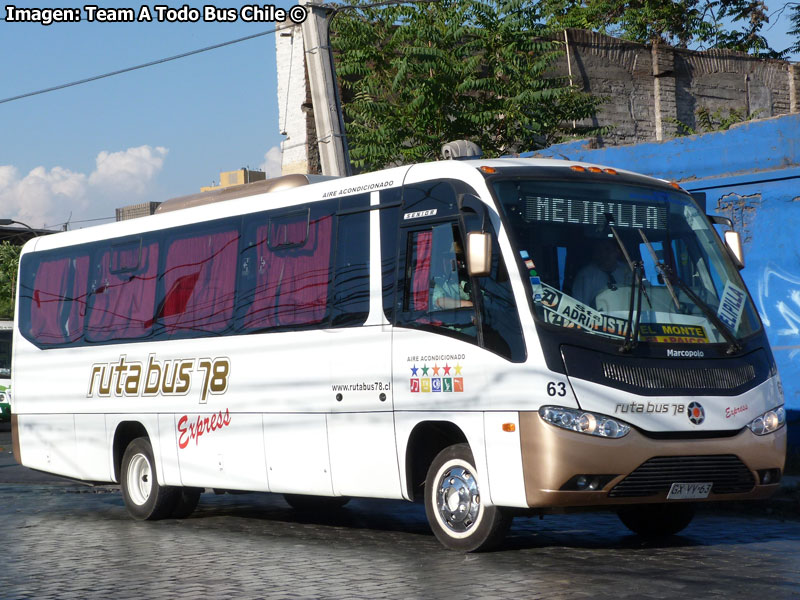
<point x="458" y="337"/>
<point x="361" y="420"/>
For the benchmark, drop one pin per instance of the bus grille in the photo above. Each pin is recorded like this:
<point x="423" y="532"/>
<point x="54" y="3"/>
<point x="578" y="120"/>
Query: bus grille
<point x="728" y="474"/>
<point x="718" y="378"/>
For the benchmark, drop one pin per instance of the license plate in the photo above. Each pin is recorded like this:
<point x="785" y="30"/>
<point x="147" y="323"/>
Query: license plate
<point x="687" y="491"/>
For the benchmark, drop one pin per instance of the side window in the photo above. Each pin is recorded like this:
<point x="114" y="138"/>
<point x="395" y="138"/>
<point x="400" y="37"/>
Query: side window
<point x="287" y="269"/>
<point x="350" y="304"/>
<point x="122" y="291"/>
<point x="53" y="298"/>
<point x="199" y="282"/>
<point x="436" y="288"/>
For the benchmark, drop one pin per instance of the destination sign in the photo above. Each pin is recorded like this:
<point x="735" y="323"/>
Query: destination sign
<point x="592" y="212"/>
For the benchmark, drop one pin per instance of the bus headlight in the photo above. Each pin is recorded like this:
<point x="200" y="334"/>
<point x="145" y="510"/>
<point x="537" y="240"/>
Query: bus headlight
<point x="584" y="422"/>
<point x="770" y="421"/>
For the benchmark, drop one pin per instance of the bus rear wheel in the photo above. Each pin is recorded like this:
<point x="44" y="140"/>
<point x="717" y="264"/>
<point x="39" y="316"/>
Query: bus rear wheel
<point x="657" y="520"/>
<point x="187" y="500"/>
<point x="454" y="507"/>
<point x="145" y="499"/>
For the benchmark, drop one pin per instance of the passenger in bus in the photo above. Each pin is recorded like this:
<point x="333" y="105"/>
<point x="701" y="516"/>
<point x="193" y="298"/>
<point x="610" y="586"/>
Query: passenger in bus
<point x="605" y="271"/>
<point x="450" y="286"/>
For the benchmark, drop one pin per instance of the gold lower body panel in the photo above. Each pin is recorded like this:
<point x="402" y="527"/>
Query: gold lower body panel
<point x="551" y="456"/>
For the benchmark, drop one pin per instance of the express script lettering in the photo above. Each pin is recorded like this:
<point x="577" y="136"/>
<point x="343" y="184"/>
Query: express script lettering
<point x="203" y="424"/>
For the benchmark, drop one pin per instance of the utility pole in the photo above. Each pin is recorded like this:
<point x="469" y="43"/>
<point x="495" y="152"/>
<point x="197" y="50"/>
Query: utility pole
<point x="333" y="153"/>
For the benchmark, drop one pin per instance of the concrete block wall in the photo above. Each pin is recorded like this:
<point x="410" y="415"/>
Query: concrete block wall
<point x="650" y="89"/>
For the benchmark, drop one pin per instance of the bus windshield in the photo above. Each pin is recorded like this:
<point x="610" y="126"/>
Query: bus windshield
<point x="625" y="261"/>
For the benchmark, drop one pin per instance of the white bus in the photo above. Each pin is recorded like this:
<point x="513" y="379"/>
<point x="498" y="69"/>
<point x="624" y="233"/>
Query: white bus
<point x="327" y="341"/>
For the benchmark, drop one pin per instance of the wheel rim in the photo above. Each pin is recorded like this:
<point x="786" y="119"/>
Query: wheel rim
<point x="140" y="479"/>
<point x="458" y="500"/>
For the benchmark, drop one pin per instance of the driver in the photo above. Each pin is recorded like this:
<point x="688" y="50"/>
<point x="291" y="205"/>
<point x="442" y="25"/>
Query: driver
<point x="606" y="271"/>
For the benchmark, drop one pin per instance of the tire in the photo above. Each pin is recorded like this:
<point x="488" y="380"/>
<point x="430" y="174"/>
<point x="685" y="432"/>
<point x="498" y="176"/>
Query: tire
<point x="456" y="514"/>
<point x="187" y="500"/>
<point x="657" y="520"/>
<point x="145" y="499"/>
<point x="306" y="503"/>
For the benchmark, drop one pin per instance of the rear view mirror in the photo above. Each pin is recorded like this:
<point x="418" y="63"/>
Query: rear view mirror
<point x="734" y="241"/>
<point x="732" y="238"/>
<point x="479" y="254"/>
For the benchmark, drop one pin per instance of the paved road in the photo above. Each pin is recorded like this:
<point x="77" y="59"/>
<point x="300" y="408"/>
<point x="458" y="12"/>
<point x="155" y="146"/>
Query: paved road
<point x="68" y="541"/>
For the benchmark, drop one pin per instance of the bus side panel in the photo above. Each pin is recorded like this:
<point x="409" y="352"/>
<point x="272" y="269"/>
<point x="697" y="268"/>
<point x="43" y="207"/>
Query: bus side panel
<point x="504" y="458"/>
<point x="297" y="453"/>
<point x="47" y="443"/>
<point x="92" y="448"/>
<point x="363" y="455"/>
<point x="222" y="450"/>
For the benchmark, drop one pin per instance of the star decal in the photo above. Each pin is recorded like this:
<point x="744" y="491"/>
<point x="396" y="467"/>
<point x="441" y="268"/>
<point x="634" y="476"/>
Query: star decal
<point x="414" y="370"/>
<point x="435" y="369"/>
<point x="425" y="370"/>
<point x="446" y="369"/>
<point x="458" y="369"/>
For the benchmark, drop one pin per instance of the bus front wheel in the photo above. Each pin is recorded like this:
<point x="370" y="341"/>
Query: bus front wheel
<point x="144" y="498"/>
<point x="454" y="507"/>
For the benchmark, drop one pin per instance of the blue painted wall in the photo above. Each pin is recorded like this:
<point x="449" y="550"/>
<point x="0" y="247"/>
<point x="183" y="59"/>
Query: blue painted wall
<point x="750" y="173"/>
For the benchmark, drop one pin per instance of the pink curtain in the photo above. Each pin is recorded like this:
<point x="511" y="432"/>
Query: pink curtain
<point x="122" y="304"/>
<point x="291" y="283"/>
<point x="73" y="329"/>
<point x="200" y="279"/>
<point x="422" y="271"/>
<point x="49" y="289"/>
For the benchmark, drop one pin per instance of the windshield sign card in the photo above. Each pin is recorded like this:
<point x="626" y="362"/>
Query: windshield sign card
<point x="673" y="334"/>
<point x="731" y="305"/>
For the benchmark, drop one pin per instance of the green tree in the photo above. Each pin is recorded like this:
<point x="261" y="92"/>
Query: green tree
<point x="416" y="76"/>
<point x="9" y="265"/>
<point x="732" y="24"/>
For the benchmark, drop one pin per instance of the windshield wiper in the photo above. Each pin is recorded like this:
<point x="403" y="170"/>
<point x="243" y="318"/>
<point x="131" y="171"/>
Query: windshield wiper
<point x="733" y="344"/>
<point x="660" y="266"/>
<point x="637" y="285"/>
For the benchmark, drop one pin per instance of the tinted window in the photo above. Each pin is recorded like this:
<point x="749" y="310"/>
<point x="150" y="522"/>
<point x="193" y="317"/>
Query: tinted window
<point x="199" y="282"/>
<point x="53" y="297"/>
<point x="299" y="267"/>
<point x="350" y="304"/>
<point x="287" y="269"/>
<point x="437" y="292"/>
<point x="122" y="299"/>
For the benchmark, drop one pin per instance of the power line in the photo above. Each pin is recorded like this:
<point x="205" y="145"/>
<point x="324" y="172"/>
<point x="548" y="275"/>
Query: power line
<point x="142" y="66"/>
<point x="68" y="222"/>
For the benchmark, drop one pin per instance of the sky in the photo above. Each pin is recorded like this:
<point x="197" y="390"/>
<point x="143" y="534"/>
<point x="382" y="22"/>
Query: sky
<point x="75" y="155"/>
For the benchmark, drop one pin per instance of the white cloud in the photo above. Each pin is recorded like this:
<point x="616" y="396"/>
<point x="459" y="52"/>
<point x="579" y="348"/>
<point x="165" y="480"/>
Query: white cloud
<point x="41" y="194"/>
<point x="130" y="170"/>
<point x="49" y="197"/>
<point x="272" y="162"/>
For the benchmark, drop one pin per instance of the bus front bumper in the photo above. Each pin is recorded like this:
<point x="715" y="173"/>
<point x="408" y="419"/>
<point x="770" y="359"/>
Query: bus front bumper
<point x="560" y="466"/>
